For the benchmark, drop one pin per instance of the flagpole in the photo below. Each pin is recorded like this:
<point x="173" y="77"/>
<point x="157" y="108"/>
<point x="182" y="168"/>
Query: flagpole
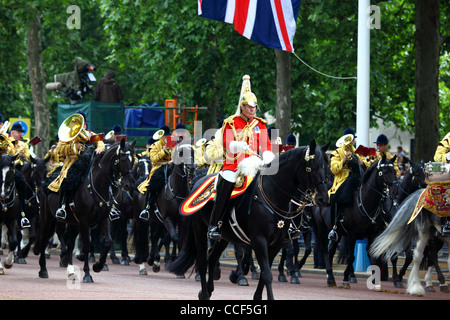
<point x="363" y="75"/>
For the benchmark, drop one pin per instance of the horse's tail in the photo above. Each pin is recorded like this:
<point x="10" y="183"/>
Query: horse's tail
<point x="188" y="252"/>
<point x="398" y="235"/>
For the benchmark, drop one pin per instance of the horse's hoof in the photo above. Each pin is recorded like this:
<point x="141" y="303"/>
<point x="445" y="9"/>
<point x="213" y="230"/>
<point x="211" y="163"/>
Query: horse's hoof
<point x="125" y="262"/>
<point x="377" y="288"/>
<point x="115" y="260"/>
<point x="295" y="280"/>
<point x="105" y="267"/>
<point x="331" y="284"/>
<point x="282" y="278"/>
<point x="143" y="272"/>
<point x="399" y="285"/>
<point x="444" y="288"/>
<point x="181" y="276"/>
<point x="43" y="274"/>
<point x="88" y="279"/>
<point x="197" y="277"/>
<point x="156" y="267"/>
<point x="353" y="280"/>
<point x="21" y="261"/>
<point x="345" y="285"/>
<point x="63" y="264"/>
<point x="242" y="282"/>
<point x="202" y="296"/>
<point x="47" y="255"/>
<point x="233" y="277"/>
<point x="430" y="289"/>
<point x="8" y="266"/>
<point x="97" y="267"/>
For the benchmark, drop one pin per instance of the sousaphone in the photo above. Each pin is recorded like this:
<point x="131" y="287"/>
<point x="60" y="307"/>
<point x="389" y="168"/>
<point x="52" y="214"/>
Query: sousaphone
<point x="72" y="127"/>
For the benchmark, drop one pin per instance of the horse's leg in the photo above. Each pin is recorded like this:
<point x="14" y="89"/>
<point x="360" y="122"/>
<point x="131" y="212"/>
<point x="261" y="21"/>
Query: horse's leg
<point x="86" y="241"/>
<point x="13" y="243"/>
<point x="201" y="242"/>
<point x="70" y="236"/>
<point x="170" y="227"/>
<point x="154" y="259"/>
<point x="414" y="286"/>
<point x="290" y="262"/>
<point x="395" y="276"/>
<point x="123" y="236"/>
<point x="281" y="275"/>
<point x="107" y="244"/>
<point x="434" y="247"/>
<point x="213" y="257"/>
<point x="351" y="258"/>
<point x="260" y="246"/>
<point x="114" y="234"/>
<point x="307" y="237"/>
<point x="237" y="276"/>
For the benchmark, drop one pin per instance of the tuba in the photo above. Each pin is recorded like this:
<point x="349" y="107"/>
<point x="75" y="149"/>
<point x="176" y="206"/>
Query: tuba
<point x="72" y="127"/>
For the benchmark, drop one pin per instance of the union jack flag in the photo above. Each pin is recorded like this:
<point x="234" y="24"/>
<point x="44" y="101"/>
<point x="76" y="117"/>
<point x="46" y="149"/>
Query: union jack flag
<point x="271" y="23"/>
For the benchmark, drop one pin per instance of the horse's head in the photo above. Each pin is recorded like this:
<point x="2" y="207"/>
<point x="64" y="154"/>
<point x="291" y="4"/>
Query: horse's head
<point x="416" y="175"/>
<point x="123" y="164"/>
<point x="39" y="170"/>
<point x="7" y="175"/>
<point x="184" y="156"/>
<point x="142" y="167"/>
<point x="386" y="178"/>
<point x="315" y="171"/>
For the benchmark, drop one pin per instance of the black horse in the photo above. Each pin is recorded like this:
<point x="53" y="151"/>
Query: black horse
<point x="34" y="172"/>
<point x="9" y="206"/>
<point x="92" y="202"/>
<point x="177" y="178"/>
<point x="258" y="217"/>
<point x="363" y="218"/>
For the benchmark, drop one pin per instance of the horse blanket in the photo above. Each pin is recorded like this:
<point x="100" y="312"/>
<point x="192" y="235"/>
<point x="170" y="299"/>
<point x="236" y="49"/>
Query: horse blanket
<point x="206" y="192"/>
<point x="435" y="198"/>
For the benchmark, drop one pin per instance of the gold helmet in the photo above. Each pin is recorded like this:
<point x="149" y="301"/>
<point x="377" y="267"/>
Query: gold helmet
<point x="250" y="99"/>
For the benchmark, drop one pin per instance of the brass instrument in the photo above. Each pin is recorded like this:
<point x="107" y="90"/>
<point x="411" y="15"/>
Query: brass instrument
<point x="201" y="142"/>
<point x="5" y="127"/>
<point x="344" y="140"/>
<point x="4" y="143"/>
<point x="109" y="136"/>
<point x="158" y="135"/>
<point x="72" y="127"/>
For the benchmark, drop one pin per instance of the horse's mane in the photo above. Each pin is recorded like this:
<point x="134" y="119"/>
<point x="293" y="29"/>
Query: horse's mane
<point x="291" y="155"/>
<point x="365" y="176"/>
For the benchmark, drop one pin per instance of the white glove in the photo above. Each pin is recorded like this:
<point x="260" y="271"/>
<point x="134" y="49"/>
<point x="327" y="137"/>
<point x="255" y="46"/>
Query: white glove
<point x="238" y="146"/>
<point x="448" y="156"/>
<point x="268" y="156"/>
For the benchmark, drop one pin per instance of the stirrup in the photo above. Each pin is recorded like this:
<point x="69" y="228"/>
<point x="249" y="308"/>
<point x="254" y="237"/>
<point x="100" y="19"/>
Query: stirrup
<point x="114" y="214"/>
<point x="333" y="236"/>
<point x="25" y="223"/>
<point x="294" y="233"/>
<point x="144" y="215"/>
<point x="445" y="230"/>
<point x="214" y="233"/>
<point x="61" y="214"/>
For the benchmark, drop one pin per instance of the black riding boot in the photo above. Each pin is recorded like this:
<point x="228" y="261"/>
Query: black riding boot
<point x="223" y="192"/>
<point x="145" y="214"/>
<point x="333" y="235"/>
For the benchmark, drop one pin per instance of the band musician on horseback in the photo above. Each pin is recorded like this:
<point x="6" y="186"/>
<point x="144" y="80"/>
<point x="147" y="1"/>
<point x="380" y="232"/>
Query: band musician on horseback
<point x="70" y="149"/>
<point x="242" y="135"/>
<point x="442" y="154"/>
<point x="160" y="154"/>
<point x="347" y="166"/>
<point x="382" y="143"/>
<point x="10" y="145"/>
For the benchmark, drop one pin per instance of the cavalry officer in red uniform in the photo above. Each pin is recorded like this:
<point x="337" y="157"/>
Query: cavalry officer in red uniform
<point x="243" y="135"/>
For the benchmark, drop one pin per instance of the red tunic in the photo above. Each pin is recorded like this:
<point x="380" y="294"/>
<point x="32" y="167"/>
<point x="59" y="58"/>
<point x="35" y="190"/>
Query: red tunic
<point x="253" y="132"/>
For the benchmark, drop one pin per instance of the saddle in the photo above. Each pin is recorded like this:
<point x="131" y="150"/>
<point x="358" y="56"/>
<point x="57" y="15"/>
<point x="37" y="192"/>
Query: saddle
<point x="206" y="192"/>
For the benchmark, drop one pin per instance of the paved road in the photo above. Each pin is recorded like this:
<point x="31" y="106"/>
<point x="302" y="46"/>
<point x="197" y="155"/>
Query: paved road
<point x="124" y="283"/>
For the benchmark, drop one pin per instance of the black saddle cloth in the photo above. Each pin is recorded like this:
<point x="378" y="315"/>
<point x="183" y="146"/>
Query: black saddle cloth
<point x="344" y="193"/>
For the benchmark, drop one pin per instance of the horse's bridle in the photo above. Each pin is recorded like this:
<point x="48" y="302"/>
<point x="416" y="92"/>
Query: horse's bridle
<point x="384" y="195"/>
<point x="306" y="198"/>
<point x="183" y="175"/>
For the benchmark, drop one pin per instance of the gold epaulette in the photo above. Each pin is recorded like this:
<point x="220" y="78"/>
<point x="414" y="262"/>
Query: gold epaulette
<point x="261" y="119"/>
